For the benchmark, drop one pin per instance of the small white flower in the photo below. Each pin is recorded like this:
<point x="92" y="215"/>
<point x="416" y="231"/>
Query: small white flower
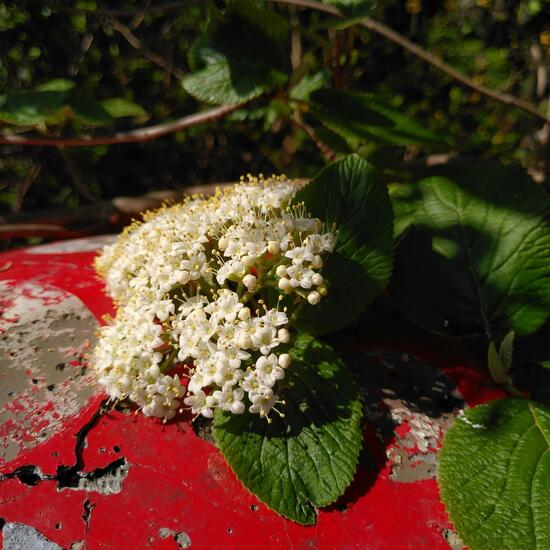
<point x="201" y="403"/>
<point x="299" y="255"/>
<point x="262" y="403"/>
<point x="230" y="399"/>
<point x="268" y="370"/>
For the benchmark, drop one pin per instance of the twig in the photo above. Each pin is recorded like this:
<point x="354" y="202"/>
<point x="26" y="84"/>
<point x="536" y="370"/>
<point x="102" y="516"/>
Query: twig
<point x="136" y="43"/>
<point x="31" y="176"/>
<point x="327" y="152"/>
<point x="541" y="173"/>
<point x="430" y="58"/>
<point x="75" y="176"/>
<point x="31" y="229"/>
<point x="295" y="39"/>
<point x="146" y="133"/>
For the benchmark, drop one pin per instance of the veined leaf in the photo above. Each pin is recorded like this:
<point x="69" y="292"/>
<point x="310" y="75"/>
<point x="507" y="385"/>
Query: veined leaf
<point x="268" y="21"/>
<point x="350" y="196"/>
<point x="361" y="118"/>
<point x="306" y="459"/>
<point x="494" y="475"/>
<point x="31" y="108"/>
<point x="405" y="200"/>
<point x="236" y="65"/>
<point x="476" y="259"/>
<point x="231" y="83"/>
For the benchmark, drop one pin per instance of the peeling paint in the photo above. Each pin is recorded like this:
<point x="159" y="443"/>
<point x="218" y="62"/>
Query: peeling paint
<point x="453" y="540"/>
<point x="413" y="404"/>
<point x="106" y="481"/>
<point x="183" y="540"/>
<point x="45" y="333"/>
<point x="18" y="536"/>
<point x="173" y="488"/>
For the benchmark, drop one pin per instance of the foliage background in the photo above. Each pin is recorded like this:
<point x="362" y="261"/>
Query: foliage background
<point x="140" y="52"/>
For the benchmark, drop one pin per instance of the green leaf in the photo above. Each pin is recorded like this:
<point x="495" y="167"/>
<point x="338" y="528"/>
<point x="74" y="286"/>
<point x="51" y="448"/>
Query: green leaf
<point x="31" y="108"/>
<point x="308" y="84"/>
<point x="231" y="83"/>
<point x="361" y="118"/>
<point x="405" y="199"/>
<point x="308" y="458"/>
<point x="349" y="195"/>
<point x="235" y="65"/>
<point x="56" y="85"/>
<point x="269" y="22"/>
<point x="88" y="111"/>
<point x="496" y="367"/>
<point x="477" y="258"/>
<point x="494" y="475"/>
<point x="506" y="351"/>
<point x="352" y="6"/>
<point x="118" y="107"/>
<point x="203" y="52"/>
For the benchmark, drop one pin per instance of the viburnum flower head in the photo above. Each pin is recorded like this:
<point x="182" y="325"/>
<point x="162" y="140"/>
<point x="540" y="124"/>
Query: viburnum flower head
<point x="209" y="287"/>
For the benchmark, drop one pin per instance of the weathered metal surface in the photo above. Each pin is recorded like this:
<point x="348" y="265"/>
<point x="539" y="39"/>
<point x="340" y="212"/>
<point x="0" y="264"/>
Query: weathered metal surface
<point x="18" y="536"/>
<point x="44" y="335"/>
<point x="110" y="479"/>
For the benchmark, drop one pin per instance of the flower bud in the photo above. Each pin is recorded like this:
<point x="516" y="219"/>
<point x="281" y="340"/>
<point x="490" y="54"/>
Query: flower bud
<point x="283" y="335"/>
<point x="281" y="271"/>
<point x="313" y="298"/>
<point x="284" y="284"/>
<point x="284" y="360"/>
<point x="317" y="262"/>
<point x="289" y="224"/>
<point x="249" y="281"/>
<point x="244" y="341"/>
<point x="244" y="314"/>
<point x="273" y="247"/>
<point x="222" y="243"/>
<point x="317" y="279"/>
<point x="322" y="290"/>
<point x="248" y="261"/>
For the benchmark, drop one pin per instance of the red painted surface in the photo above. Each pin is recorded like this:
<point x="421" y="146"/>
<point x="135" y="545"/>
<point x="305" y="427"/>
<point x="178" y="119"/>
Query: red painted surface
<point x="178" y="481"/>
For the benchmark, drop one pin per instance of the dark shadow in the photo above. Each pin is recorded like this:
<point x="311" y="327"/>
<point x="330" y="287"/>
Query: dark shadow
<point x="388" y="379"/>
<point x="318" y="399"/>
<point x="447" y="295"/>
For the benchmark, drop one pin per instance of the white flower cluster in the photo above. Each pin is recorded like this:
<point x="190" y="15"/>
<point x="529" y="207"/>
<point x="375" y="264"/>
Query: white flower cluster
<point x="207" y="288"/>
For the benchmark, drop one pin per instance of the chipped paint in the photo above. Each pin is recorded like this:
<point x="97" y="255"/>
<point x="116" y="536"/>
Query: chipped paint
<point x="413" y="404"/>
<point x="107" y="479"/>
<point x="45" y="333"/>
<point x="18" y="536"/>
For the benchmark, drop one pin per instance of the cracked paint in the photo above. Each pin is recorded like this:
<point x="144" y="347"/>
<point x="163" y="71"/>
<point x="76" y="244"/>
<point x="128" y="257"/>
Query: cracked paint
<point x="106" y="478"/>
